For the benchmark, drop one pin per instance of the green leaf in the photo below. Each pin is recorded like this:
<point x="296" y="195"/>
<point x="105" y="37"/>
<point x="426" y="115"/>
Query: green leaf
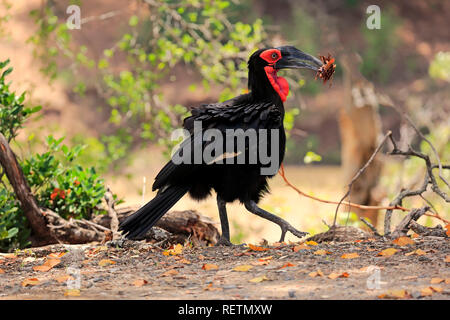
<point x="134" y="20"/>
<point x="311" y="157"/>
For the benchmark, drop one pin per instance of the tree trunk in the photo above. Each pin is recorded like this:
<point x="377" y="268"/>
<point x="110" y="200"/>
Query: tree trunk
<point x="183" y="224"/>
<point x="360" y="130"/>
<point x="41" y="232"/>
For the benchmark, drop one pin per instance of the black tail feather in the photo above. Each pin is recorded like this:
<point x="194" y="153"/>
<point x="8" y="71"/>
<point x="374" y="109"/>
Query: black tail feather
<point x="137" y="224"/>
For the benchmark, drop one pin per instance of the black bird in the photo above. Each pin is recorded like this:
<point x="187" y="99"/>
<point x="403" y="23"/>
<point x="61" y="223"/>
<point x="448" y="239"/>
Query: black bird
<point x="258" y="110"/>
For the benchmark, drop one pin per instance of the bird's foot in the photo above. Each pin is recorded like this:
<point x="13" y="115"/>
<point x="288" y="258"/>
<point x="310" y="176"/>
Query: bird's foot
<point x="287" y="227"/>
<point x="224" y="242"/>
<point x="284" y="225"/>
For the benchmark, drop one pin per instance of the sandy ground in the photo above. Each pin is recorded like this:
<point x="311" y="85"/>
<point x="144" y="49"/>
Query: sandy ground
<point x="138" y="270"/>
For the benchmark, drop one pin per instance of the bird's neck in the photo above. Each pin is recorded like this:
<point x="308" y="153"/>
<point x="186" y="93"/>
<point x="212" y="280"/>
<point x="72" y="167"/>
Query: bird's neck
<point x="267" y="85"/>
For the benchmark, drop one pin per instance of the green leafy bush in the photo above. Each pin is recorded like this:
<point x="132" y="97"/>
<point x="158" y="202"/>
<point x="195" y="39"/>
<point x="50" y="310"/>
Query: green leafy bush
<point x="55" y="177"/>
<point x="61" y="185"/>
<point x="13" y="113"/>
<point x="14" y="232"/>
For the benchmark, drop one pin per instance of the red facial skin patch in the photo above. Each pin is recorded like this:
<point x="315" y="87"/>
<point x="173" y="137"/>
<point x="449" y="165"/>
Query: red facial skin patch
<point x="279" y="84"/>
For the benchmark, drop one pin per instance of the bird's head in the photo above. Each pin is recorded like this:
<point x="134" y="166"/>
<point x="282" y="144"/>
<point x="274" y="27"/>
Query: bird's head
<point x="264" y="64"/>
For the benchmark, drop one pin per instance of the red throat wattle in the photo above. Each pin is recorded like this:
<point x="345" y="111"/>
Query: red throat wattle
<point x="280" y="84"/>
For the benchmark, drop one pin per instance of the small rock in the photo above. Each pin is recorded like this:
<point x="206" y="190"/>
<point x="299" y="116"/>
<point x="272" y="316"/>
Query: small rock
<point x="229" y="286"/>
<point x="424" y="259"/>
<point x="98" y="279"/>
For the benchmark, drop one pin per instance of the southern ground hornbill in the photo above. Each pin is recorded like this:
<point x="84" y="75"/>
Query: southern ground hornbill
<point x="230" y="177"/>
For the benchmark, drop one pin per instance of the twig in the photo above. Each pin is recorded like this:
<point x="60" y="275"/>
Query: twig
<point x="370" y="226"/>
<point x="114" y="224"/>
<point x="428" y="180"/>
<point x="358" y="174"/>
<point x="437" y="231"/>
<point x="354" y="205"/>
<point x="403" y="226"/>
<point x="436" y="154"/>
<point x="103" y="16"/>
<point x="388" y="102"/>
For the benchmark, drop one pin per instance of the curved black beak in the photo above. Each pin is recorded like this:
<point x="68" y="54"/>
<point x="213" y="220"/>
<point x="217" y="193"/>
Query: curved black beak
<point x="292" y="58"/>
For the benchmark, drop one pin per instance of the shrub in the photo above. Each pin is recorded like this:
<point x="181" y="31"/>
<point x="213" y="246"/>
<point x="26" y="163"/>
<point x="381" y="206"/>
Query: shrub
<point x="55" y="177"/>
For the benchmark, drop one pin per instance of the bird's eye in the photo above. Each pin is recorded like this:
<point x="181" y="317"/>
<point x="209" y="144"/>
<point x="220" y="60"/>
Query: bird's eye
<point x="274" y="55"/>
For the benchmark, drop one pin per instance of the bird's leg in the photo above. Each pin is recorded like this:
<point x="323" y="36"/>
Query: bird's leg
<point x="225" y="237"/>
<point x="284" y="225"/>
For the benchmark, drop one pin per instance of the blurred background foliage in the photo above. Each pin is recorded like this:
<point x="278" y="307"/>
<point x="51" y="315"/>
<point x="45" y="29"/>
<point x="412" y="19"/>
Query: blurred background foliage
<point x="136" y="68"/>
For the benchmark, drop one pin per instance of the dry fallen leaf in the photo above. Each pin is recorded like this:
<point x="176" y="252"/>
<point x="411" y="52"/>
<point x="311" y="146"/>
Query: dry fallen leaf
<point x="426" y="292"/>
<point x="140" y="282"/>
<point x="448" y="229"/>
<point x="259" y="279"/>
<point x="397" y="294"/>
<point x="447" y="281"/>
<point x="174" y="250"/>
<point x="447" y="259"/>
<point x="56" y="255"/>
<point x="72" y="293"/>
<point x="243" y="268"/>
<point x="321" y="252"/>
<point x="387" y="252"/>
<point x="410" y="278"/>
<point x="209" y="266"/>
<point x="256" y="248"/>
<point x="260" y="263"/>
<point x="210" y="287"/>
<point x="315" y="274"/>
<point x="334" y="275"/>
<point x="300" y="247"/>
<point x="311" y="243"/>
<point x="171" y="272"/>
<point x="437" y="289"/>
<point x="185" y="261"/>
<point x="265" y="258"/>
<point x="436" y="280"/>
<point x="288" y="264"/>
<point x="403" y="241"/>
<point x="178" y="249"/>
<point x="30" y="282"/>
<point x="105" y="262"/>
<point x="364" y="269"/>
<point x="49" y="264"/>
<point x="64" y="278"/>
<point x="350" y="255"/>
<point x="2" y="271"/>
<point x="418" y="252"/>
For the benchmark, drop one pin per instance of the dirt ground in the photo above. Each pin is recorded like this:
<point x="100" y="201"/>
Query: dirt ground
<point x="139" y="270"/>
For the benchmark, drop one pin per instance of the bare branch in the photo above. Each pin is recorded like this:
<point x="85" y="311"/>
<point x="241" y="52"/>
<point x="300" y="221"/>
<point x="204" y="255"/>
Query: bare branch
<point x="360" y="172"/>
<point x="403" y="226"/>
